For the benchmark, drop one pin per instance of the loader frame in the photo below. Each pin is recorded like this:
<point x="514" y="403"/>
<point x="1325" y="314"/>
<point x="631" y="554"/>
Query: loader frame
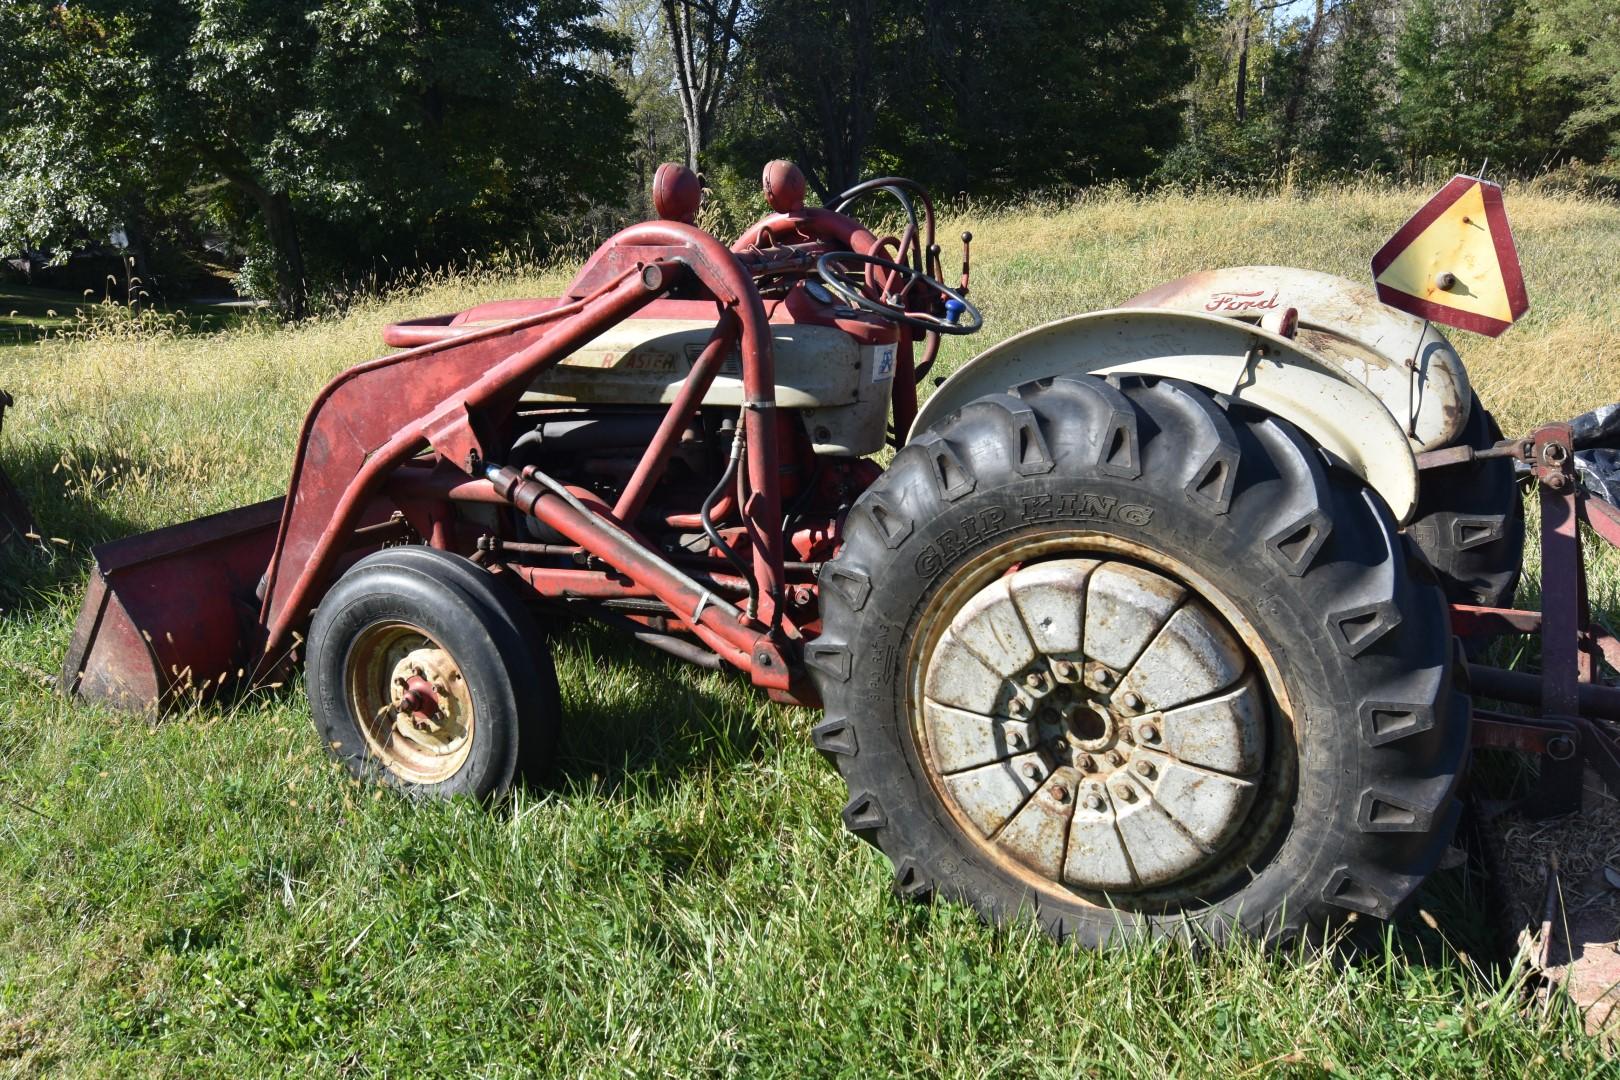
<point x="390" y="447"/>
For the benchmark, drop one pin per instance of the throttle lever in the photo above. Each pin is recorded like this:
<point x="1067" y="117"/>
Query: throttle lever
<point x="967" y="253"/>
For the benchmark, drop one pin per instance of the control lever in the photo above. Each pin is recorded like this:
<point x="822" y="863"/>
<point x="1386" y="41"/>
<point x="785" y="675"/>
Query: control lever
<point x="967" y="250"/>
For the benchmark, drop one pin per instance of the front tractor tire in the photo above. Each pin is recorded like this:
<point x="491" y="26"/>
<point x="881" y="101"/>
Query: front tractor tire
<point x="424" y="675"/>
<point x="1138" y="660"/>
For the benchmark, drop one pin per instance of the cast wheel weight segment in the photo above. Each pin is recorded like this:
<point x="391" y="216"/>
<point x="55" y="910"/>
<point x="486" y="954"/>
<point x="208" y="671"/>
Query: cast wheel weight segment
<point x="1121" y="766"/>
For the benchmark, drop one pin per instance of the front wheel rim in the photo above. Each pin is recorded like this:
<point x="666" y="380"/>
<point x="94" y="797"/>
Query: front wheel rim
<point x="411" y="702"/>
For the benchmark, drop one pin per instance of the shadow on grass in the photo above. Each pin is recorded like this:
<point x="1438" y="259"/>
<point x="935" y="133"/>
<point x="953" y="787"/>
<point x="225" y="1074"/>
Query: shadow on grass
<point x="636" y="718"/>
<point x="70" y="521"/>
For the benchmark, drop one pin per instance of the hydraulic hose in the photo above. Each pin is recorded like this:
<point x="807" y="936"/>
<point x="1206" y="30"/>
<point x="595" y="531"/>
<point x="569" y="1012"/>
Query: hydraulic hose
<point x="727" y="478"/>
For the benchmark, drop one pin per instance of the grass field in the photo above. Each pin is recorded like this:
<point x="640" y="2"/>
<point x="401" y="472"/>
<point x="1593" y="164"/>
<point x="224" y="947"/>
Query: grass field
<point x="28" y="314"/>
<point x="208" y="895"/>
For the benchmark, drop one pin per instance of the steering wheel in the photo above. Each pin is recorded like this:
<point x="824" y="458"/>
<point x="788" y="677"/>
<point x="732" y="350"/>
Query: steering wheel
<point x="847" y="274"/>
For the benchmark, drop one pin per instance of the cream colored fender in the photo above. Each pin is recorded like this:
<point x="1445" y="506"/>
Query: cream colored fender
<point x="1343" y="324"/>
<point x="1222" y="355"/>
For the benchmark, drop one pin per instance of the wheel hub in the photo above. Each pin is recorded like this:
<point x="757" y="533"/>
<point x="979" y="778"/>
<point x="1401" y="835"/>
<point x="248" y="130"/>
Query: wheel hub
<point x="426" y="709"/>
<point x="1095" y="724"/>
<point x="415" y="705"/>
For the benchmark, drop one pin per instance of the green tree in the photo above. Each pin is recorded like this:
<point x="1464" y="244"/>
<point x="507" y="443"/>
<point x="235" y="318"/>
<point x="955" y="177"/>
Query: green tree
<point x="1579" y="42"/>
<point x="966" y="96"/>
<point x="1235" y="100"/>
<point x="1350" y="111"/>
<point x="1098" y="102"/>
<point x="1466" y="87"/>
<point x="362" y="130"/>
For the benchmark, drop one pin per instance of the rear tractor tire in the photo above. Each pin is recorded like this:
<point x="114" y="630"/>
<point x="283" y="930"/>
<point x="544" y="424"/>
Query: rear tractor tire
<point x="1469" y="521"/>
<point x="424" y="675"/>
<point x="1138" y="661"/>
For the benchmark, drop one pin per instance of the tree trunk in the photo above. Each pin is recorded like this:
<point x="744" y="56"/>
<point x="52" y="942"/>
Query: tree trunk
<point x="281" y="229"/>
<point x="1302" y="82"/>
<point x="702" y="52"/>
<point x="1241" y="101"/>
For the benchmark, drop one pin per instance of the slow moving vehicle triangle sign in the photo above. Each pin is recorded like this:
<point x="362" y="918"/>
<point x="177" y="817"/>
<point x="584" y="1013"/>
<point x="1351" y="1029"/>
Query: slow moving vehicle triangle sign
<point x="1454" y="262"/>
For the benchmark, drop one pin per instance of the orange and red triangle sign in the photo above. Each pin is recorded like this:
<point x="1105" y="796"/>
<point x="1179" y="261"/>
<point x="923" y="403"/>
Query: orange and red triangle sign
<point x="1454" y="262"/>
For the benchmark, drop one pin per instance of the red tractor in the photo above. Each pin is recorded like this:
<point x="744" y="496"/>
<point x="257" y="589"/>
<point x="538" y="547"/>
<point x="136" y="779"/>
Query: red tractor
<point x="1128" y="635"/>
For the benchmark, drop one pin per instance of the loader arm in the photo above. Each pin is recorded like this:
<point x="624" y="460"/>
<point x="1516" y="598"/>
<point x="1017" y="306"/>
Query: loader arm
<point x="451" y="395"/>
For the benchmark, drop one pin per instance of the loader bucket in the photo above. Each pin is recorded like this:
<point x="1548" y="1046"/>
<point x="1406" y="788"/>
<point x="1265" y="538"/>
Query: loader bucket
<point x="173" y="612"/>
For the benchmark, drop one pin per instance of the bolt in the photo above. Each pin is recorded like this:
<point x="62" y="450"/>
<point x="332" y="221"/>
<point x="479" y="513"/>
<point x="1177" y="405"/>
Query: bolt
<point x="1115" y="758"/>
<point x="1033" y="680"/>
<point x="1032" y="770"/>
<point x="1150" y="734"/>
<point x="1133" y="701"/>
<point x="1103" y="676"/>
<point x="1016" y="708"/>
<point x="1064" y="669"/>
<point x="1130" y="739"/>
<point x="1444" y="280"/>
<point x="1093" y="803"/>
<point x="1060" y="793"/>
<point x="1017" y="741"/>
<point x="1558" y="482"/>
<point x="1086" y="763"/>
<point x="1145" y="768"/>
<point x="1125" y="793"/>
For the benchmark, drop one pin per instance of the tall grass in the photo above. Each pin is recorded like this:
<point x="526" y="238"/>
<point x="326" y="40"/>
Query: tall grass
<point x="208" y="895"/>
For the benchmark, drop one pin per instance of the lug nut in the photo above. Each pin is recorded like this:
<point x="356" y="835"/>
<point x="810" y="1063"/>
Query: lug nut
<point x="1086" y="763"/>
<point x="1064" y="669"/>
<point x="1145" y="768"/>
<point x="1093" y="803"/>
<point x="1150" y="734"/>
<point x="1033" y="680"/>
<point x="1060" y="793"/>
<point x="1103" y="676"/>
<point x="1115" y="758"/>
<point x="1032" y="770"/>
<point x="1125" y="793"/>
<point x="1133" y="701"/>
<point x="1016" y="741"/>
<point x="1017" y="709"/>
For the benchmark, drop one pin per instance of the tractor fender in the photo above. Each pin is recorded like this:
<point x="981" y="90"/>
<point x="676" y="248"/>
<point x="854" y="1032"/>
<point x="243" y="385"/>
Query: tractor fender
<point x="1403" y="359"/>
<point x="1237" y="359"/>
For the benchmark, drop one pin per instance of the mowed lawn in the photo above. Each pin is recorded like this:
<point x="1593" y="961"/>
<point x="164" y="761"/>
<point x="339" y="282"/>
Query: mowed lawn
<point x="208" y="895"/>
